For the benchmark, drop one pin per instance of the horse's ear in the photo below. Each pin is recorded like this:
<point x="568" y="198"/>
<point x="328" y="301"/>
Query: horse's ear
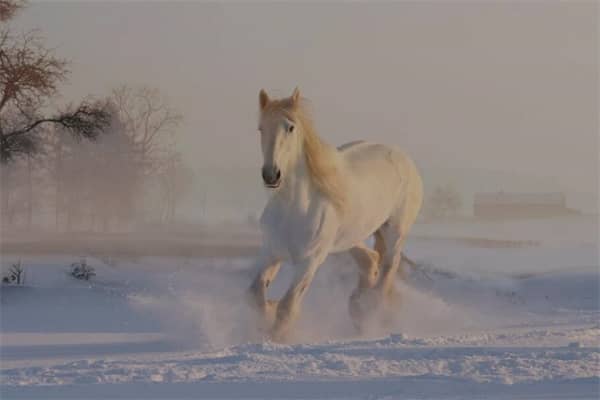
<point x="263" y="99"/>
<point x="295" y="96"/>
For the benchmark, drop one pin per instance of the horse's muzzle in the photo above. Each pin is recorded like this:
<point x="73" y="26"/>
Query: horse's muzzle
<point x="271" y="176"/>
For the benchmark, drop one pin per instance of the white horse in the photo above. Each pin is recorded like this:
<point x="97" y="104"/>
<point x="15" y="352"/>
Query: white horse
<point x="327" y="200"/>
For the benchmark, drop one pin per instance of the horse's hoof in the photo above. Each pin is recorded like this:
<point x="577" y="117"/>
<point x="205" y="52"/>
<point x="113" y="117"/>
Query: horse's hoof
<point x="374" y="305"/>
<point x="279" y="335"/>
<point x="270" y="312"/>
<point x="390" y="305"/>
<point x="362" y="305"/>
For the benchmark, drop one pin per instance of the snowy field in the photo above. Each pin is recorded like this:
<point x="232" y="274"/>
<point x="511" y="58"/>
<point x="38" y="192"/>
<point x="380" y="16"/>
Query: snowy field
<point x="516" y="317"/>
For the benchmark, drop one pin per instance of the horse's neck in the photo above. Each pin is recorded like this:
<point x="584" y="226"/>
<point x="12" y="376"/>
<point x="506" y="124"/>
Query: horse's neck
<point x="297" y="185"/>
<point x="298" y="189"/>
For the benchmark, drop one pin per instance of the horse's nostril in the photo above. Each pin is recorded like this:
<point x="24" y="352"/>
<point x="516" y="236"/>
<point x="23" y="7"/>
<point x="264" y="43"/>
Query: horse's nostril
<point x="271" y="175"/>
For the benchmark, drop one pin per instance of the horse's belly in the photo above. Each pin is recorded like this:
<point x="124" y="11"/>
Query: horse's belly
<point x="357" y="228"/>
<point x="344" y="242"/>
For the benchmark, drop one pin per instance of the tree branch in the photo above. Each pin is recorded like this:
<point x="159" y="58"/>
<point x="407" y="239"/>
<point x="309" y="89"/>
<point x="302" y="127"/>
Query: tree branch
<point x="87" y="121"/>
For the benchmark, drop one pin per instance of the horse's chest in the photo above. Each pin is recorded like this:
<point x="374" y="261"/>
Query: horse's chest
<point x="292" y="232"/>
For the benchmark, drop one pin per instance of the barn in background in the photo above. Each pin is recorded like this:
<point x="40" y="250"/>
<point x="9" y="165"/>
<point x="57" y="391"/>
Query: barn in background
<point x="520" y="205"/>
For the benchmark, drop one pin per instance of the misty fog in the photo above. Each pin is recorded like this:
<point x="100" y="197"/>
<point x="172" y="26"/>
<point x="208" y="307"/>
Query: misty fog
<point x="132" y="259"/>
<point x="485" y="97"/>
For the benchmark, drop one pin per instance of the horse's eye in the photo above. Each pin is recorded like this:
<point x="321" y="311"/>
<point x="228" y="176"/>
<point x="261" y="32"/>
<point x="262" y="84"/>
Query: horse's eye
<point x="290" y="128"/>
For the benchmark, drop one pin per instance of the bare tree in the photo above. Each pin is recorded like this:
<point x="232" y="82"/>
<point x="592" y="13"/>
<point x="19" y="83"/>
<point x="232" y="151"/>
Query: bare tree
<point x="30" y="75"/>
<point x="8" y="9"/>
<point x="93" y="184"/>
<point x="149" y="121"/>
<point x="96" y="183"/>
<point x="175" y="180"/>
<point x="445" y="201"/>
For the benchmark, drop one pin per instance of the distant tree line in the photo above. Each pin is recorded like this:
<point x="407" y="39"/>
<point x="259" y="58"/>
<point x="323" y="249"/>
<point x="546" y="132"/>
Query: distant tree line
<point x="445" y="201"/>
<point x="98" y="165"/>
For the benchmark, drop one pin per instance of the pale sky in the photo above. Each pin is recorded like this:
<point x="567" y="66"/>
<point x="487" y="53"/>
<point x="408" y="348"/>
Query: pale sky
<point x="507" y="87"/>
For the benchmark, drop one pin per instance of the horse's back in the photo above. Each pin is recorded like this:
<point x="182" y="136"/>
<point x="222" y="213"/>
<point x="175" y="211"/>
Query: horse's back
<point x="383" y="182"/>
<point x="362" y="154"/>
<point x="386" y="167"/>
<point x="349" y="145"/>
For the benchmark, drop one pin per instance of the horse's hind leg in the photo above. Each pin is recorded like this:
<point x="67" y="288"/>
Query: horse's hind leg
<point x="394" y="232"/>
<point x="368" y="265"/>
<point x="379" y="245"/>
<point x="368" y="274"/>
<point x="391" y="262"/>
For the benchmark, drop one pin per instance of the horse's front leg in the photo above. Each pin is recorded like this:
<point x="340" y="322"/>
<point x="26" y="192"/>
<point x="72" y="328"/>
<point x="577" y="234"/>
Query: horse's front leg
<point x="268" y="269"/>
<point x="288" y="308"/>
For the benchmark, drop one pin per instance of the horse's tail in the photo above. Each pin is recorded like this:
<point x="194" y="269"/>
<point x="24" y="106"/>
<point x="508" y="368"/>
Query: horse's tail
<point x="409" y="261"/>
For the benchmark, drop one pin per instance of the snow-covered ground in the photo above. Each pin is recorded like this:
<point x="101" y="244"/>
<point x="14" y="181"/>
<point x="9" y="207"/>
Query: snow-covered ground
<point x="476" y="321"/>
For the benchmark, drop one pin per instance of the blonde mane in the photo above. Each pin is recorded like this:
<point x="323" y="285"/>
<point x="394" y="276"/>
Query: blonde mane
<point x="320" y="161"/>
<point x="318" y="155"/>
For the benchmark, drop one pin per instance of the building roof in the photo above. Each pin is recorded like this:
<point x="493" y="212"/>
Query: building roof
<point x="503" y="198"/>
